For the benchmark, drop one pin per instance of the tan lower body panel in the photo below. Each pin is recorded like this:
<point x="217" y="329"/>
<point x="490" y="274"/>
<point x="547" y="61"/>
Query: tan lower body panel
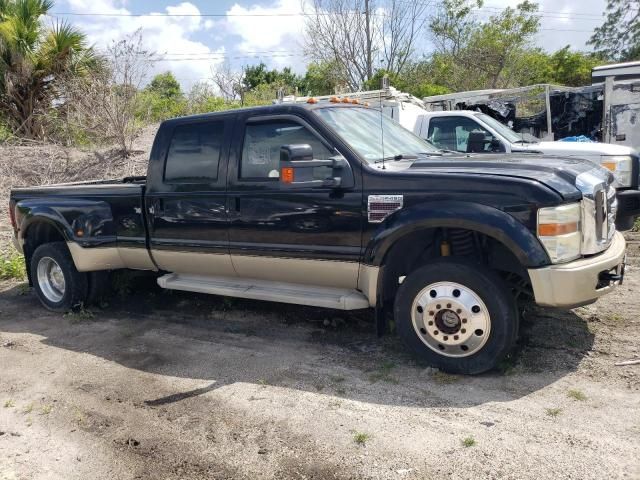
<point x="292" y="271"/>
<point x="194" y="263"/>
<point x="326" y="273"/>
<point x="368" y="282"/>
<point x="109" y="258"/>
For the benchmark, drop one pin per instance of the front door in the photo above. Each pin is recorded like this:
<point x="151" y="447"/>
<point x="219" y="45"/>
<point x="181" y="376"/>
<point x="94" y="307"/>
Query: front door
<point x="300" y="235"/>
<point x="186" y="203"/>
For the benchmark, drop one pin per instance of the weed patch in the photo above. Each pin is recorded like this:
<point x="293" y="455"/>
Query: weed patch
<point x="12" y="266"/>
<point x="577" y="395"/>
<point x="361" y="438"/>
<point x="468" y="442"/>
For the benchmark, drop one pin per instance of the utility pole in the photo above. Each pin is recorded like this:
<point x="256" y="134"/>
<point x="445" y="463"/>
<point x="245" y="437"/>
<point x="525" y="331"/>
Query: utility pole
<point x="367" y="18"/>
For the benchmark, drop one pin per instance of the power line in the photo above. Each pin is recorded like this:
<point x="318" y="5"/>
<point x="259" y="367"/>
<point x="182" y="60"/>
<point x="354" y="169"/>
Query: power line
<point x="540" y="14"/>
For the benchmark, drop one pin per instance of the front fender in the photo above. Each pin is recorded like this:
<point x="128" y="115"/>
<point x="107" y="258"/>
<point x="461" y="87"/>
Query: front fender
<point x="453" y="214"/>
<point x="86" y="222"/>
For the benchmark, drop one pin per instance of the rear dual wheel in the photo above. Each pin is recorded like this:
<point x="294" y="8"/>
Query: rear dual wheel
<point x="60" y="287"/>
<point x="459" y="317"/>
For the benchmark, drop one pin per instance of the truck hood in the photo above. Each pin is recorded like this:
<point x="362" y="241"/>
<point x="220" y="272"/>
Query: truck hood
<point x="591" y="150"/>
<point x="557" y="173"/>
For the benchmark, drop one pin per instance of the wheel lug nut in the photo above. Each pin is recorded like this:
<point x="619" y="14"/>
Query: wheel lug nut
<point x="458" y="311"/>
<point x="445" y="338"/>
<point x="463" y="330"/>
<point x="432" y="313"/>
<point x="448" y="305"/>
<point x="430" y="323"/>
<point x="464" y="320"/>
<point x="438" y="306"/>
<point x="455" y="337"/>
<point x="435" y="332"/>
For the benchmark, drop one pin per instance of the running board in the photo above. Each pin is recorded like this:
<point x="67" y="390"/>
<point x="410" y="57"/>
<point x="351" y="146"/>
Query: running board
<point x="338" y="298"/>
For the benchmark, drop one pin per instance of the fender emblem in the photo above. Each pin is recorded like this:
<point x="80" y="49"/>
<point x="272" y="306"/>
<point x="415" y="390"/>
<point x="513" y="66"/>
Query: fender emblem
<point x="380" y="207"/>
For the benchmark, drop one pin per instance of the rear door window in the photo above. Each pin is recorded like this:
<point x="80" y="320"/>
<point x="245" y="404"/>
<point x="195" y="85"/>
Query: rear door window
<point x="194" y="153"/>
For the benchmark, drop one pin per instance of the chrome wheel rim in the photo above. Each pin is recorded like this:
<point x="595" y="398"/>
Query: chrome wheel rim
<point x="51" y="279"/>
<point x="451" y="319"/>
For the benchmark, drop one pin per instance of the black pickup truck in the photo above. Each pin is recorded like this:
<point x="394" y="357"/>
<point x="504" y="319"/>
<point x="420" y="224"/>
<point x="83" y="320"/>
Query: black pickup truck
<point x="335" y="206"/>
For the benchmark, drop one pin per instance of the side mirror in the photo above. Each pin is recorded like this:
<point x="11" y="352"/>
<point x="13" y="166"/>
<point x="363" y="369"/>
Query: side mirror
<point x="297" y="169"/>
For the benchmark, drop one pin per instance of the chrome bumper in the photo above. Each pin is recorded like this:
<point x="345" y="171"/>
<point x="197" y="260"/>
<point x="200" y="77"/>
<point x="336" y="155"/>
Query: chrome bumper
<point x="577" y="283"/>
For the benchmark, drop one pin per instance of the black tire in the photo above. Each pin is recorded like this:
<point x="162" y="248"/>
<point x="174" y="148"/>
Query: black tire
<point x="487" y="286"/>
<point x="99" y="287"/>
<point x="76" y="283"/>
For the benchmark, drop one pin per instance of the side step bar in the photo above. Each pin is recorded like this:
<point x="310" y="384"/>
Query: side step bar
<point x="338" y="298"/>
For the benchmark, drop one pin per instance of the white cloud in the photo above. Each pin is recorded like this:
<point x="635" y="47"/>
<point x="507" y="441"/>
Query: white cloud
<point x="262" y="31"/>
<point x="169" y="37"/>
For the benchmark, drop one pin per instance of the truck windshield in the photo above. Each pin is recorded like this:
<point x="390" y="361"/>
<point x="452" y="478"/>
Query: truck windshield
<point x="501" y="128"/>
<point x="364" y="129"/>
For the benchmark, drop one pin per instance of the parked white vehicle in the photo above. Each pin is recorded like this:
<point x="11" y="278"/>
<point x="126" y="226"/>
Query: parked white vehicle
<point x="466" y="131"/>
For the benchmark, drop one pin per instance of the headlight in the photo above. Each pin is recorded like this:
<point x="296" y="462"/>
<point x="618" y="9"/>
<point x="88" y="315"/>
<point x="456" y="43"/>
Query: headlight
<point x="621" y="166"/>
<point x="559" y="231"/>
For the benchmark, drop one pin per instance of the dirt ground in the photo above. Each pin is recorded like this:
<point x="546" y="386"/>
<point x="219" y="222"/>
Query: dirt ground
<point x="167" y="385"/>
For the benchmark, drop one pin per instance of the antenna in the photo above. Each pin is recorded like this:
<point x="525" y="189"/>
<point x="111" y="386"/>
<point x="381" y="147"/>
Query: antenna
<point x="381" y="129"/>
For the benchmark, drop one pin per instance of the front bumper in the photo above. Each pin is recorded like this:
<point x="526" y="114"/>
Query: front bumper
<point x="582" y="281"/>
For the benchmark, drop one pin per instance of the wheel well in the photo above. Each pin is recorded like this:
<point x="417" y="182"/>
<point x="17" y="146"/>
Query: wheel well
<point x="38" y="234"/>
<point x="414" y="250"/>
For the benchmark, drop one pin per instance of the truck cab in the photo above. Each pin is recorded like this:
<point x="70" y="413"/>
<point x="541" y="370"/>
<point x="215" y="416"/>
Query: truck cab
<point x="471" y="132"/>
<point x="336" y="205"/>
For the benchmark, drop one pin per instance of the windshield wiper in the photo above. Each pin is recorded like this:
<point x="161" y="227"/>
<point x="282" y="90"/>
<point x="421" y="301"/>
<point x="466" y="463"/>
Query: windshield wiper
<point x="523" y="141"/>
<point x="406" y="156"/>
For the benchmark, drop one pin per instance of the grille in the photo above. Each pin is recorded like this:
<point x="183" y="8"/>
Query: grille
<point x="599" y="207"/>
<point x="380" y="207"/>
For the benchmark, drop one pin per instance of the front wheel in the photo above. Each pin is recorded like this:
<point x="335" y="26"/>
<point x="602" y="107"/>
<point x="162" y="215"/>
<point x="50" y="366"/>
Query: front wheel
<point x="459" y="317"/>
<point x="59" y="286"/>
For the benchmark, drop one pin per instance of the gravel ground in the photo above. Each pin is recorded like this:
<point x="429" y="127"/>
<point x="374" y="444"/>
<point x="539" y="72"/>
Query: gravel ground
<point x="167" y="385"/>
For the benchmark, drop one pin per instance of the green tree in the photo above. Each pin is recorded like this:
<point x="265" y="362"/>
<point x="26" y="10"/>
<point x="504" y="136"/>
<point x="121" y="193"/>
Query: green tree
<point x="573" y="68"/>
<point x="618" y="38"/>
<point x="257" y="75"/>
<point x="497" y="44"/>
<point x="165" y="85"/>
<point x="34" y="59"/>
<point x="322" y="78"/>
<point x="161" y="99"/>
<point x="475" y="55"/>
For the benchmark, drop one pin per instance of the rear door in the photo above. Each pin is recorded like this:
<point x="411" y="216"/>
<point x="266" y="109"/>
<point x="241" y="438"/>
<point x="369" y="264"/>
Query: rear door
<point x="299" y="235"/>
<point x="185" y="200"/>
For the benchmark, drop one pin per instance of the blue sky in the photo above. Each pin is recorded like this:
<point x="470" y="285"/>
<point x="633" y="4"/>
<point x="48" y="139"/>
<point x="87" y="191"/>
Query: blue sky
<point x="250" y="31"/>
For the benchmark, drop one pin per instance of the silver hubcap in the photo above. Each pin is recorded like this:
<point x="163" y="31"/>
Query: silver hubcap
<point x="51" y="279"/>
<point x="451" y="319"/>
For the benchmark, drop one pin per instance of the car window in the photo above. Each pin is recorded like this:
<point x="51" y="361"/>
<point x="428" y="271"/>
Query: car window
<point x="262" y="143"/>
<point x="462" y="135"/>
<point x="194" y="153"/>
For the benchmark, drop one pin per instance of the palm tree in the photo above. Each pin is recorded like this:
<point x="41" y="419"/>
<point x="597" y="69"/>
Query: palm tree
<point x="34" y="60"/>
